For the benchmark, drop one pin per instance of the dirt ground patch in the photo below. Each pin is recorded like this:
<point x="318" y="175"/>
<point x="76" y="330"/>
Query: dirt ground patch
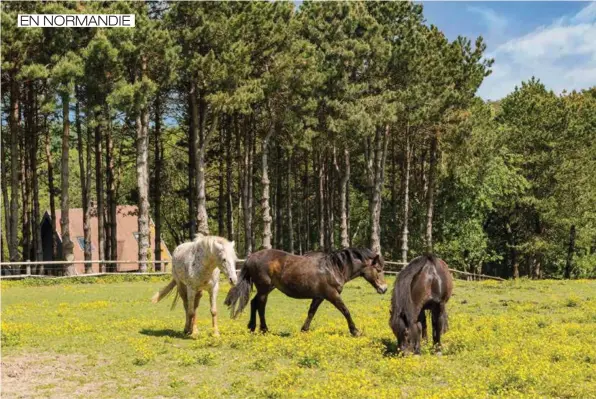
<point x="35" y="375"/>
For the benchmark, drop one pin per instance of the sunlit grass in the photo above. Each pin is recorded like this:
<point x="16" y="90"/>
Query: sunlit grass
<point x="512" y="339"/>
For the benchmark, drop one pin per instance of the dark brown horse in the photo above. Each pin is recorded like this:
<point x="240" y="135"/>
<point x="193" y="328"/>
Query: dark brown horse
<point x="424" y="284"/>
<point x="317" y="275"/>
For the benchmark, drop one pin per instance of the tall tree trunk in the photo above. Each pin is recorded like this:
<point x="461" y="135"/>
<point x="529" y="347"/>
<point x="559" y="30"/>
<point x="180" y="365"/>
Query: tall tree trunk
<point x="252" y="184"/>
<point x="348" y="213"/>
<point x="328" y="205"/>
<point x="204" y="136"/>
<point x="289" y="205"/>
<point x="278" y="237"/>
<point x="28" y="252"/>
<point x="25" y="209"/>
<point x="247" y="202"/>
<point x="330" y="192"/>
<point x="570" y="252"/>
<point x="67" y="244"/>
<point x="14" y="169"/>
<point x="537" y="272"/>
<point x="321" y="199"/>
<point x="421" y="196"/>
<point x="238" y="140"/>
<point x="381" y="144"/>
<point x="266" y="183"/>
<point x="275" y="211"/>
<point x="345" y="179"/>
<point x="111" y="228"/>
<point x="307" y="245"/>
<point x="512" y="250"/>
<point x="430" y="193"/>
<point x="99" y="190"/>
<point x="404" y="234"/>
<point x="221" y="204"/>
<point x="538" y="267"/>
<point x="87" y="217"/>
<point x="5" y="200"/>
<point x="193" y="139"/>
<point x="36" y="218"/>
<point x="108" y="168"/>
<point x="157" y="184"/>
<point x="82" y="173"/>
<point x="143" y="179"/>
<point x="302" y="208"/>
<point x="229" y="183"/>
<point x="51" y="189"/>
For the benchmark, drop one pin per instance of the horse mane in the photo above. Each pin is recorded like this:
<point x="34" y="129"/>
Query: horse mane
<point x="343" y="258"/>
<point x="401" y="298"/>
<point x="209" y="241"/>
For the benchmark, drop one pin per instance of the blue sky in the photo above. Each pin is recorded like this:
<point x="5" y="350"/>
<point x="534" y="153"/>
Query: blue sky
<point x="553" y="41"/>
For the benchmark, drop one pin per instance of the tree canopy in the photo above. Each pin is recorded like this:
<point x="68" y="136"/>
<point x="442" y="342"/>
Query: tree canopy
<point x="331" y="124"/>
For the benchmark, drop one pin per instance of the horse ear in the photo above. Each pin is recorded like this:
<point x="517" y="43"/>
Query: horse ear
<point x="218" y="246"/>
<point x="375" y="260"/>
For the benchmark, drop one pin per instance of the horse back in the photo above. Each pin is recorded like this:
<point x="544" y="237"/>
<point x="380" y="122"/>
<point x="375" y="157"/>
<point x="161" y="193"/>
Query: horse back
<point x="433" y="283"/>
<point x="445" y="279"/>
<point x="268" y="261"/>
<point x="296" y="276"/>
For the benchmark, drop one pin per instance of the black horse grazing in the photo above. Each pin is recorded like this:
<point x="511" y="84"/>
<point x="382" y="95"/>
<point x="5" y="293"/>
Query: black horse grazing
<point x="315" y="275"/>
<point x="424" y="284"/>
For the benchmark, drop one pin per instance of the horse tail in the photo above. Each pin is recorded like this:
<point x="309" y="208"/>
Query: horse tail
<point x="161" y="294"/>
<point x="445" y="322"/>
<point x="175" y="299"/>
<point x="240" y="293"/>
<point x="402" y="305"/>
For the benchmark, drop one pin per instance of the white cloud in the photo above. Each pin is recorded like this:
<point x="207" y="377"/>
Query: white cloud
<point x="551" y="43"/>
<point x="586" y="14"/>
<point x="562" y="55"/>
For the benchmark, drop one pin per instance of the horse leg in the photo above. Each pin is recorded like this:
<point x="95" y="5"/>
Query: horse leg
<point x="400" y="329"/>
<point x="335" y="299"/>
<point x="184" y="296"/>
<point x="193" y="302"/>
<point x="198" y="296"/>
<point x="415" y="333"/>
<point x="261" y="308"/>
<point x="213" y="301"/>
<point x="438" y="319"/>
<point x="422" y="321"/>
<point x="252" y="324"/>
<point x="314" y="305"/>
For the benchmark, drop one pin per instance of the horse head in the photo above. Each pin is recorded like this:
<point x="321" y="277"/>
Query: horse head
<point x="226" y="253"/>
<point x="373" y="272"/>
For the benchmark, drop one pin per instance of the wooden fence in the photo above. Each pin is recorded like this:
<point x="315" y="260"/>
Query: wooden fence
<point x="393" y="269"/>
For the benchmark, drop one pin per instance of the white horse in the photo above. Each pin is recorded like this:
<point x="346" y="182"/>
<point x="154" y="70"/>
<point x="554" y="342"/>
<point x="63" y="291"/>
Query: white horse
<point x="196" y="268"/>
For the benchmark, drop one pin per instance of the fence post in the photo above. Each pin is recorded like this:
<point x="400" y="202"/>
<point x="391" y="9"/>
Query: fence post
<point x="28" y="268"/>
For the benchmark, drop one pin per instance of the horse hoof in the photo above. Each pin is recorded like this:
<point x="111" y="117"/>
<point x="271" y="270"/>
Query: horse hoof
<point x="356" y="333"/>
<point x="439" y="353"/>
<point x="216" y="334"/>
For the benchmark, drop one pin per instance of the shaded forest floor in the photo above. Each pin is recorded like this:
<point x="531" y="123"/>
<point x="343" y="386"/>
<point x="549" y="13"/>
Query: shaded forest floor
<point x="525" y="338"/>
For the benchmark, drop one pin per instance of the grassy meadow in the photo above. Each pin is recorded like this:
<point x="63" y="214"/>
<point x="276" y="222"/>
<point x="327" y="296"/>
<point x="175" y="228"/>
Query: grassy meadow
<point x="530" y="339"/>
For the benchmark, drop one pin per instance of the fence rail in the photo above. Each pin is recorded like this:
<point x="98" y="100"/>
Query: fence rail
<point x="469" y="276"/>
<point x="78" y="262"/>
